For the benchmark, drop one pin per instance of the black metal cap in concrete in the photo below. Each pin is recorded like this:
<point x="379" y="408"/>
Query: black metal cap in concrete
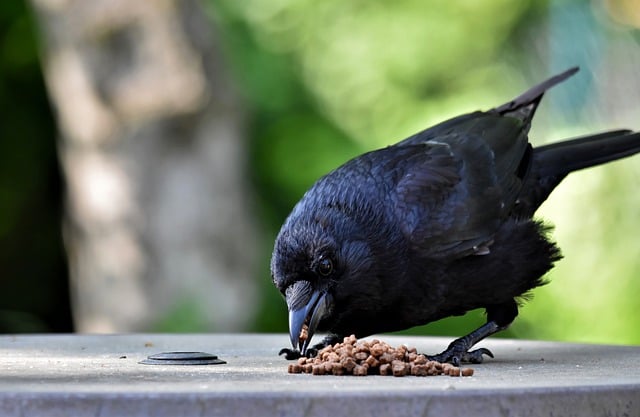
<point x="182" y="358"/>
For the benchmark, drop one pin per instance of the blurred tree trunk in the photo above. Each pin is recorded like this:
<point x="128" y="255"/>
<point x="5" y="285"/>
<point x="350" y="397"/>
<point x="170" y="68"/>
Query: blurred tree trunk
<point x="158" y="221"/>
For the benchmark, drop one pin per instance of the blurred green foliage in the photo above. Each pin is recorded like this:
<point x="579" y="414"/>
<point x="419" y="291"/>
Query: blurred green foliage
<point x="33" y="277"/>
<point x="328" y="80"/>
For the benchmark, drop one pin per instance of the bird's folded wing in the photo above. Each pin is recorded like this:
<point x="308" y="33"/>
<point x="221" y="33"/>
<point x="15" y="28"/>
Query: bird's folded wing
<point x="453" y="191"/>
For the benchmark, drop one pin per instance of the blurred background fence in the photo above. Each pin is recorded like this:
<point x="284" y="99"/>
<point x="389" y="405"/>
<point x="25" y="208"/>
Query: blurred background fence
<point x="150" y="150"/>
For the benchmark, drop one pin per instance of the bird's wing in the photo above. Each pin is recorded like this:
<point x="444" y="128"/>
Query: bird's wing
<point x="456" y="182"/>
<point x="454" y="188"/>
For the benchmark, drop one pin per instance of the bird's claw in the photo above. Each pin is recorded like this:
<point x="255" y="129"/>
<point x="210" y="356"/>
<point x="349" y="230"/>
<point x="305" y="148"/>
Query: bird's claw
<point x="290" y="354"/>
<point x="293" y="354"/>
<point x="456" y="355"/>
<point x="476" y="356"/>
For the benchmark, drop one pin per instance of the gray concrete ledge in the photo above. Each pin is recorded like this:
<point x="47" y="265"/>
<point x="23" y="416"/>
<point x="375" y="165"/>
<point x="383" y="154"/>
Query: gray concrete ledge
<point x="78" y="375"/>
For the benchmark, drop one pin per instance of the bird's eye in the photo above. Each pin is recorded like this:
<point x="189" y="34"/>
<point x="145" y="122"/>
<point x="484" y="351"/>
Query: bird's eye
<point x="325" y="267"/>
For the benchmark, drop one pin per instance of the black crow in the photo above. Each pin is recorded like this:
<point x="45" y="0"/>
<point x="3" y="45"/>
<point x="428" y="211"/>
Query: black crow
<point x="433" y="226"/>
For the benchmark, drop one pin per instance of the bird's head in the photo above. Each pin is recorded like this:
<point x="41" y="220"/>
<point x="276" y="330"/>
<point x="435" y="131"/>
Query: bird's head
<point x="322" y="258"/>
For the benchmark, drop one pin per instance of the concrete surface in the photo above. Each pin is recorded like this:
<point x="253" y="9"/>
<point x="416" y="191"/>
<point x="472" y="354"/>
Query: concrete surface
<point x="98" y="375"/>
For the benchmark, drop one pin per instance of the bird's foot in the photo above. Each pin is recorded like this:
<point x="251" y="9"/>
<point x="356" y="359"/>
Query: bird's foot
<point x="458" y="352"/>
<point x="293" y="354"/>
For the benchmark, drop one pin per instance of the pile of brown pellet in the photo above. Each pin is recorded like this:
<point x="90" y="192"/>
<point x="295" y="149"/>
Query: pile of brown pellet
<point x="361" y="358"/>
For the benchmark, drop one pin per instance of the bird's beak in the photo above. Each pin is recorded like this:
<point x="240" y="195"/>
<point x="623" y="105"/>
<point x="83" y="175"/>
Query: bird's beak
<point x="307" y="306"/>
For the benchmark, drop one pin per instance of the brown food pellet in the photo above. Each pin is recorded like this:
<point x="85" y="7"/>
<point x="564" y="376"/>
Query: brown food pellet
<point x="399" y="368"/>
<point x="333" y="357"/>
<point x="420" y="360"/>
<point x="361" y="358"/>
<point x="348" y="364"/>
<point x="304" y="333"/>
<point x="454" y="371"/>
<point x="377" y="349"/>
<point x="386" y="357"/>
<point x="337" y="370"/>
<point x="372" y="361"/>
<point x="419" y="370"/>
<point x="360" y="370"/>
<point x="385" y="369"/>
<point x="295" y="368"/>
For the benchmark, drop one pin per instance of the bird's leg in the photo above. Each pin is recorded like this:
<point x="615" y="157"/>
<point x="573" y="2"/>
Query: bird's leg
<point x="458" y="350"/>
<point x="499" y="317"/>
<point x="292" y="354"/>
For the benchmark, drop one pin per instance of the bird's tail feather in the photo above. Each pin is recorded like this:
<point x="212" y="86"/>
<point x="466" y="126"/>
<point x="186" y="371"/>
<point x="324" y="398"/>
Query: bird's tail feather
<point x="571" y="155"/>
<point x="552" y="163"/>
